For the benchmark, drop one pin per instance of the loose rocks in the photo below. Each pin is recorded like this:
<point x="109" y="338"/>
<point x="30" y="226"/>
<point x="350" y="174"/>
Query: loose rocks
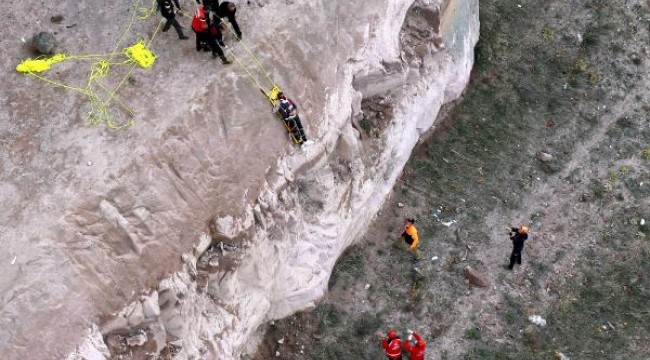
<point x="44" y="42"/>
<point x="474" y="277"/>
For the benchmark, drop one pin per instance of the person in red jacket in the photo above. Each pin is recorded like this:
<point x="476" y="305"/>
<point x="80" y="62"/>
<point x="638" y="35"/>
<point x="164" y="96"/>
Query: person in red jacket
<point x="417" y="350"/>
<point x="393" y="346"/>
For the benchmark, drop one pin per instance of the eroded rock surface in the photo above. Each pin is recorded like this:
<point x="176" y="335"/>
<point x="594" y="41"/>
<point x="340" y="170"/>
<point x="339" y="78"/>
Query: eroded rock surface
<point x="204" y="200"/>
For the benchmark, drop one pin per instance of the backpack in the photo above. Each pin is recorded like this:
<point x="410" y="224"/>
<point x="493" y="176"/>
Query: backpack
<point x="199" y="23"/>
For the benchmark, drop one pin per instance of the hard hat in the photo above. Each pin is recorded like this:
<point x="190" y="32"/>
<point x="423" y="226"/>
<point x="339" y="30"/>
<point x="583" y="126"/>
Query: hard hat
<point x="523" y="230"/>
<point x="391" y="334"/>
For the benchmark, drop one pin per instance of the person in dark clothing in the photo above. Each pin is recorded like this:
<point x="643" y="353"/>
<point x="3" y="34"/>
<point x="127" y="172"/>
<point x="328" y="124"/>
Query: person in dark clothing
<point x="168" y="10"/>
<point x="212" y="10"/>
<point x="518" y="237"/>
<point x="289" y="111"/>
<point x="227" y="10"/>
<point x="205" y="30"/>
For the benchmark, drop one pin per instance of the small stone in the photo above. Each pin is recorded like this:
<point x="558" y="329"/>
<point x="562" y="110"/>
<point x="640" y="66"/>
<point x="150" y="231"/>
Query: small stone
<point x="561" y="356"/>
<point x="544" y="157"/>
<point x="167" y="299"/>
<point x="136" y="340"/>
<point x="537" y="320"/>
<point x="281" y="341"/>
<point x="474" y="277"/>
<point x="136" y="317"/>
<point x="277" y="354"/>
<point x="367" y="286"/>
<point x="175" y="326"/>
<point x="44" y="42"/>
<point x="159" y="337"/>
<point x="400" y="205"/>
<point x="150" y="306"/>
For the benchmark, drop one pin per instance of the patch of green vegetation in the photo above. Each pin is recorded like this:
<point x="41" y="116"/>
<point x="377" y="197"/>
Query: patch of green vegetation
<point x="366" y="125"/>
<point x="473" y="333"/>
<point x="645" y="153"/>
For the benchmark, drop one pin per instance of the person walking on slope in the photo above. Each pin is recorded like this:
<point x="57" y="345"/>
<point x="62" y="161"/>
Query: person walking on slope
<point x="393" y="346"/>
<point x="417" y="350"/>
<point x="410" y="236"/>
<point x="518" y="236"/>
<point x="227" y="10"/>
<point x="168" y="10"/>
<point x="289" y="111"/>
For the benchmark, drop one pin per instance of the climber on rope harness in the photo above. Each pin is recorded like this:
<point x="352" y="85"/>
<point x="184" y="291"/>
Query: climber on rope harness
<point x="289" y="112"/>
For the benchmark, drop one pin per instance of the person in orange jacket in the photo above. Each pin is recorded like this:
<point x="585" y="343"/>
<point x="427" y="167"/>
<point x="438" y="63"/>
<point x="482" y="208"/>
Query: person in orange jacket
<point x="417" y="350"/>
<point x="393" y="346"/>
<point x="410" y="235"/>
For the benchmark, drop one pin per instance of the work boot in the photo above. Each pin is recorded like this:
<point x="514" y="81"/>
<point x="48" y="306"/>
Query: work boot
<point x="225" y="61"/>
<point x="183" y="37"/>
<point x="220" y="42"/>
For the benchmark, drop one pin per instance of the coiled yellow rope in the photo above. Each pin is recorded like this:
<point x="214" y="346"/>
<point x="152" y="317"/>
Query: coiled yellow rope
<point x="140" y="54"/>
<point x="39" y="65"/>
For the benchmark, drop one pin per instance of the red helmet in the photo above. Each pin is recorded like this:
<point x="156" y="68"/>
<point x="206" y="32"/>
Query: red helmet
<point x="391" y="334"/>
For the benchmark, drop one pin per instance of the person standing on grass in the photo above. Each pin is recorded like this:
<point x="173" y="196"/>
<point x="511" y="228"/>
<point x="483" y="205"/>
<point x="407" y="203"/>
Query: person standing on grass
<point x="417" y="350"/>
<point x="410" y="236"/>
<point x="518" y="237"/>
<point x="393" y="346"/>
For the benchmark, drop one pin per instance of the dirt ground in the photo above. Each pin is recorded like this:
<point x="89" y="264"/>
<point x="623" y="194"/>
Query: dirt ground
<point x="567" y="78"/>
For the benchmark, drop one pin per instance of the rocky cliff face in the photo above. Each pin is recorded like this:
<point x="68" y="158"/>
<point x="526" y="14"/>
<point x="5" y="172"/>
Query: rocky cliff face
<point x="205" y="192"/>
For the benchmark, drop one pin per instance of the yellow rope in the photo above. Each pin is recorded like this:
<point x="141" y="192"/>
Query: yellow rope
<point x="145" y="12"/>
<point x="250" y="53"/>
<point x="140" y="54"/>
<point x="39" y="64"/>
<point x="137" y="54"/>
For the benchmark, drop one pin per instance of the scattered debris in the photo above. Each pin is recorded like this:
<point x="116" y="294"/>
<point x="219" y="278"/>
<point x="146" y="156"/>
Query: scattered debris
<point x="367" y="286"/>
<point x="277" y="354"/>
<point x="449" y="223"/>
<point x="13" y="261"/>
<point x="438" y="214"/>
<point x="561" y="356"/>
<point x="57" y="19"/>
<point x="434" y="258"/>
<point x="281" y="341"/>
<point x="537" y="320"/>
<point x="117" y="344"/>
<point x="544" y="157"/>
<point x="400" y="205"/>
<point x="136" y="340"/>
<point x="474" y="277"/>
